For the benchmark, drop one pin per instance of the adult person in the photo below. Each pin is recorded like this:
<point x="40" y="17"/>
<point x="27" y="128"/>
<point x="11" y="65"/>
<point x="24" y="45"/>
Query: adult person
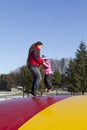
<point x="34" y="61"/>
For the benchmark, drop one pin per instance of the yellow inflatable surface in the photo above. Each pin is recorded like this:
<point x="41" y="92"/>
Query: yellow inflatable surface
<point x="67" y="114"/>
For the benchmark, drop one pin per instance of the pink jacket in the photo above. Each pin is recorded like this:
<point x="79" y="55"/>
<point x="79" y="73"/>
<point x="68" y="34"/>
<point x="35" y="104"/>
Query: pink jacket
<point x="47" y="67"/>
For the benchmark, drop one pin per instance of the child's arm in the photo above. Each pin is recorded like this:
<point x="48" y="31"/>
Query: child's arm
<point x="47" y="64"/>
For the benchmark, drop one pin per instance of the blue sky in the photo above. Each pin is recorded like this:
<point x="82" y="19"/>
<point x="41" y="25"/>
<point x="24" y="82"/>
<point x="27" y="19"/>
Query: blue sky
<point x="59" y="24"/>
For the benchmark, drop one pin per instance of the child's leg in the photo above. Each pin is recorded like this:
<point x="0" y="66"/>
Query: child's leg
<point x="48" y="81"/>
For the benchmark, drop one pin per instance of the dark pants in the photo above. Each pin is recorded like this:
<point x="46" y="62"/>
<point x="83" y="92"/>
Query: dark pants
<point x="48" y="81"/>
<point x="36" y="77"/>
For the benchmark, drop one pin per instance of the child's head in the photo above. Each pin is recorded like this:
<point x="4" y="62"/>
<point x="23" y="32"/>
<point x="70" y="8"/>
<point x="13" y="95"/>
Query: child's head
<point x="44" y="57"/>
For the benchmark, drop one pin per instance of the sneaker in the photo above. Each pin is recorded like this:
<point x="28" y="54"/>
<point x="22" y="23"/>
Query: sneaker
<point x="49" y="90"/>
<point x="33" y="93"/>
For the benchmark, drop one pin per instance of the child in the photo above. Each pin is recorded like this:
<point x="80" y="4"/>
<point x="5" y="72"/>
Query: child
<point x="48" y="73"/>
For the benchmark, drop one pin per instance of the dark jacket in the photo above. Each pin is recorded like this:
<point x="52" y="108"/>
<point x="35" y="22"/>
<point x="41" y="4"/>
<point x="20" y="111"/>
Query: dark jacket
<point x="34" y="58"/>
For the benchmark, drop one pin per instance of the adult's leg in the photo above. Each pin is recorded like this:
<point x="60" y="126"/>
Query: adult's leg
<point x="36" y="78"/>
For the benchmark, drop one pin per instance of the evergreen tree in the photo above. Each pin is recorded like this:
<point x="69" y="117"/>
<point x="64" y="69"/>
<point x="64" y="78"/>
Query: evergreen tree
<point x="81" y="61"/>
<point x="26" y="79"/>
<point x="71" y="79"/>
<point x="77" y="71"/>
<point x="4" y="83"/>
<point x="56" y="78"/>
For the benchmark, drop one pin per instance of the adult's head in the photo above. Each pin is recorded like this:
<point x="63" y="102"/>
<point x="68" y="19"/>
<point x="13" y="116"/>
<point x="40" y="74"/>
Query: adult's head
<point x="39" y="44"/>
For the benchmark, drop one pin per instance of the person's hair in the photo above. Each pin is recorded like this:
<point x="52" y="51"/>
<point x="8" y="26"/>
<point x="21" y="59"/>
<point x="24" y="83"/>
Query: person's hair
<point x="38" y="43"/>
<point x="31" y="48"/>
